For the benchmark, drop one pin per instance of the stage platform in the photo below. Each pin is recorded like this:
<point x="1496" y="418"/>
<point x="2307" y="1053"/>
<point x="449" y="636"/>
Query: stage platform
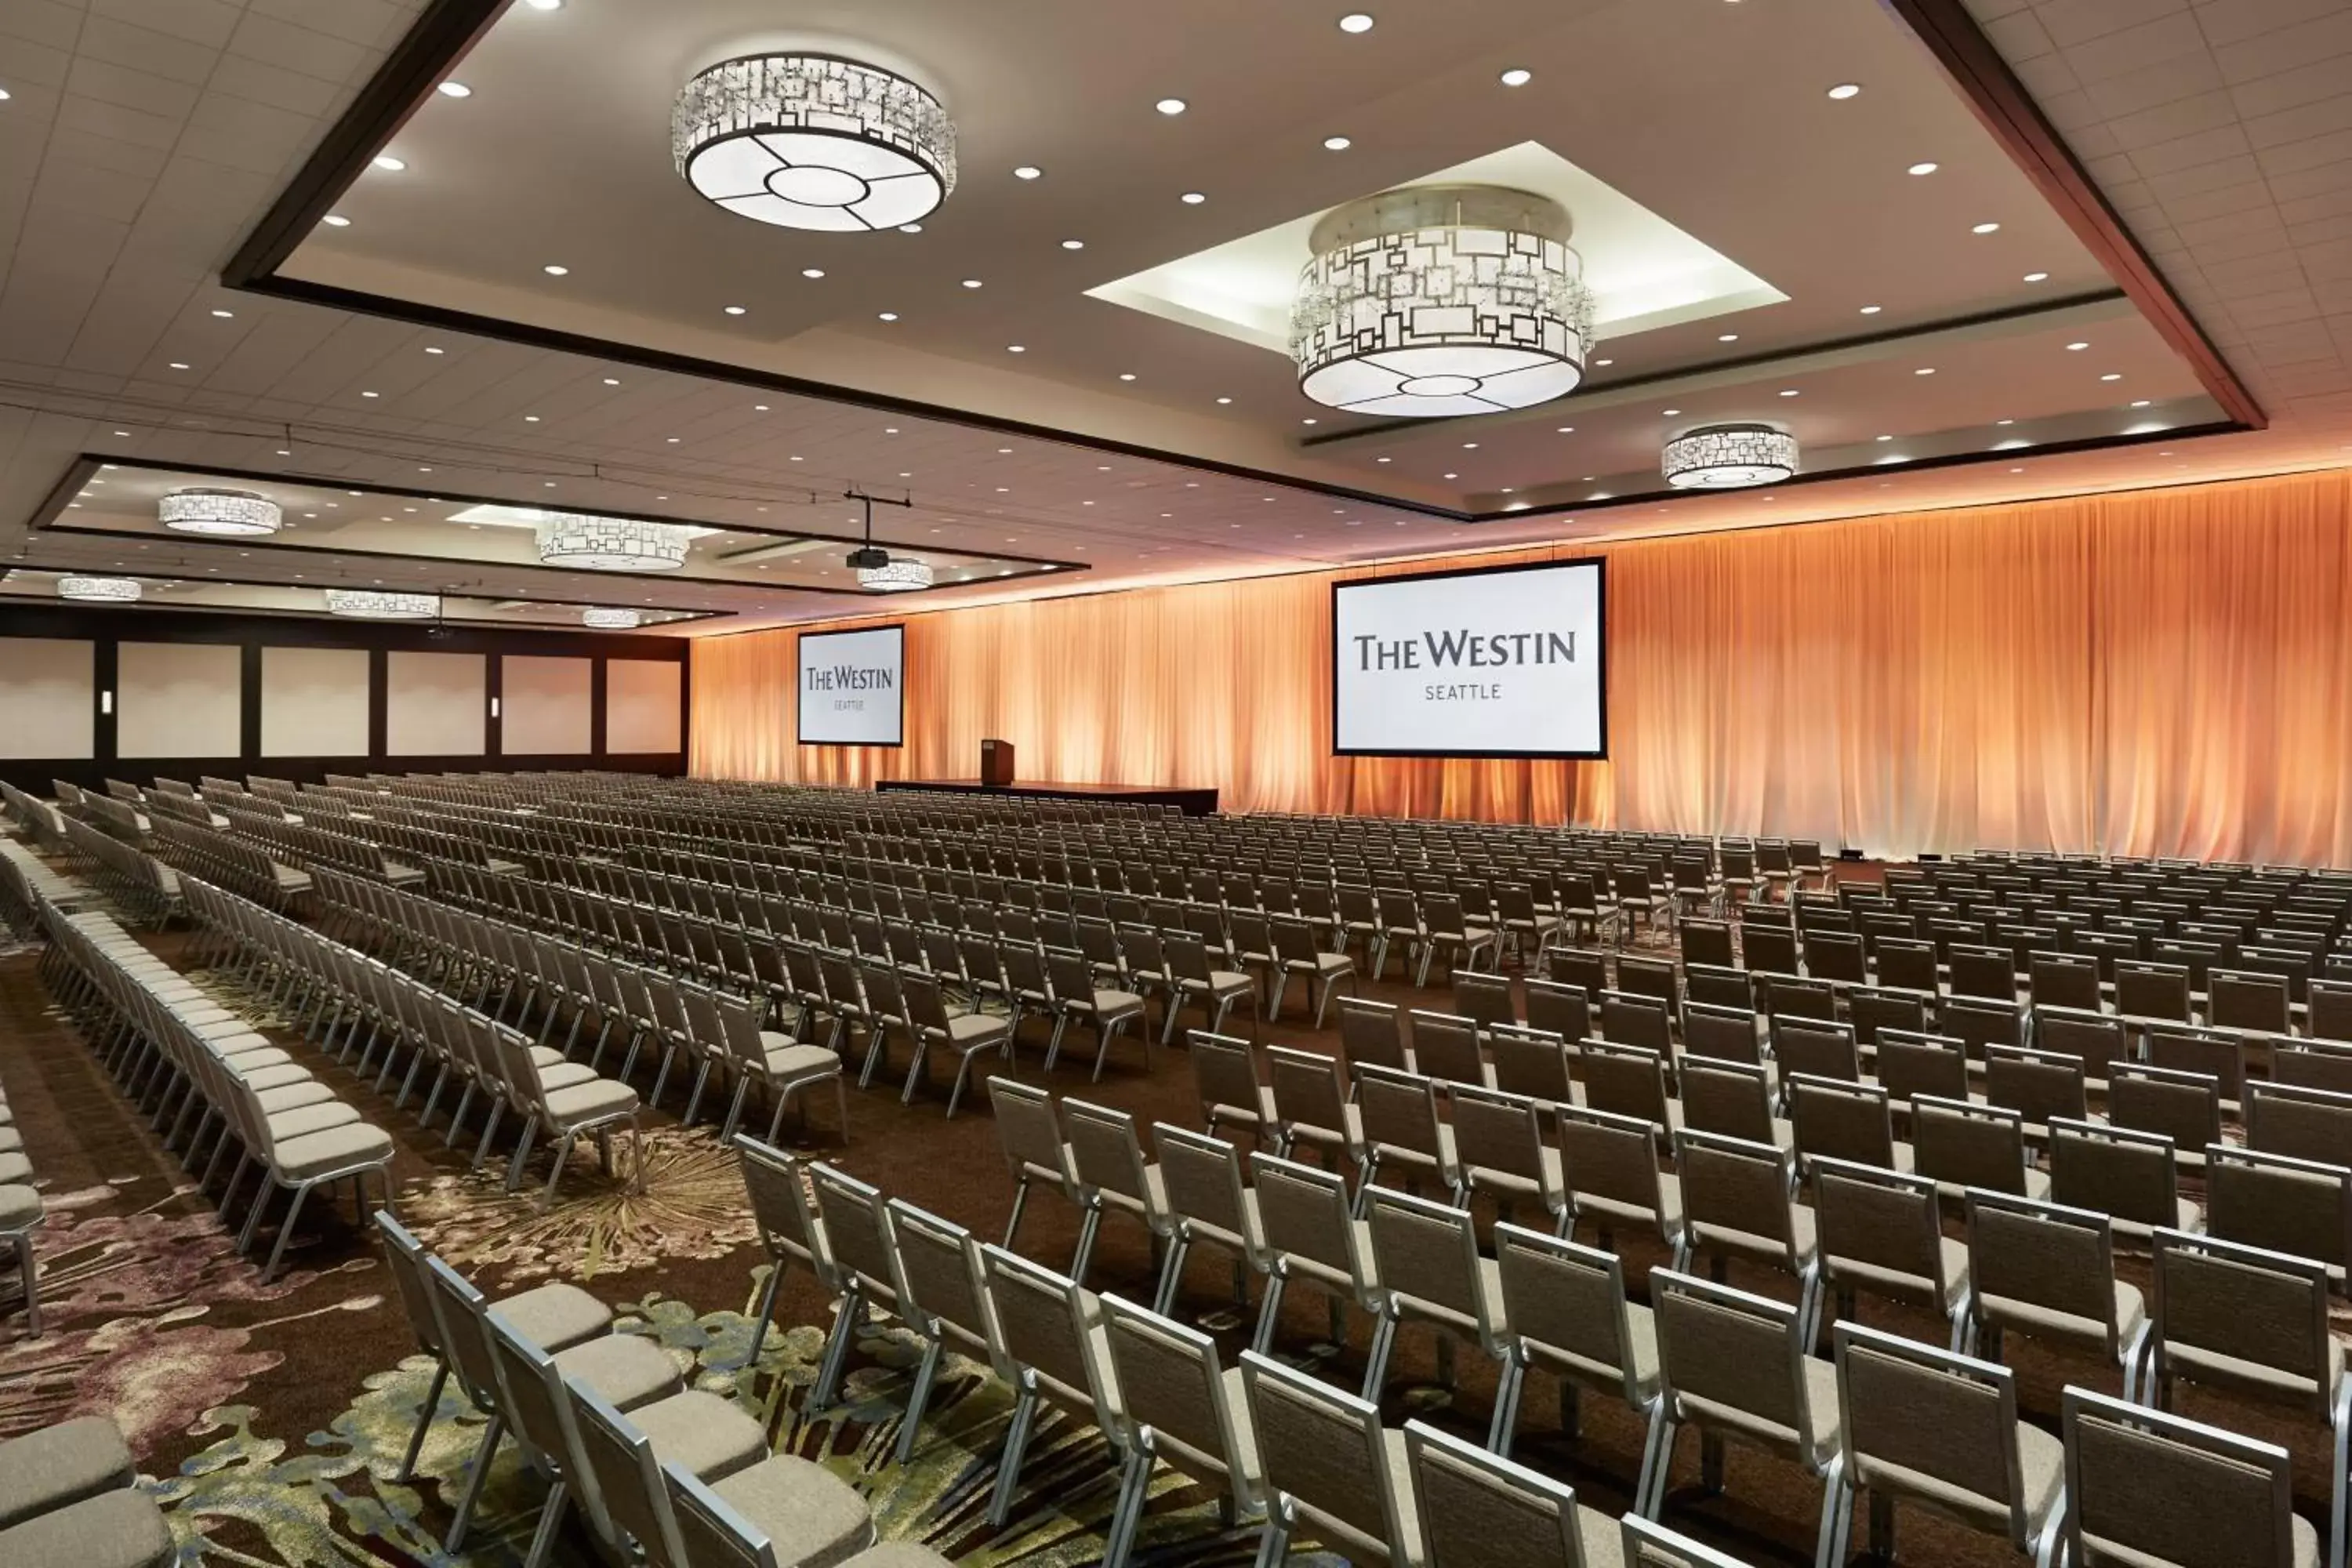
<point x="1191" y="802"/>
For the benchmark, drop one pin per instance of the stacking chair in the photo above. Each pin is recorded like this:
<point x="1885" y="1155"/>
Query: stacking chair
<point x="1643" y="1544"/>
<point x="1310" y="1107"/>
<point x="1426" y="1256"/>
<point x="2038" y="1085"/>
<point x="1445" y="1046"/>
<point x="2098" y="1039"/>
<point x="2159" y="1491"/>
<point x="1565" y="1312"/>
<point x="1312" y="1236"/>
<point x="1077" y="996"/>
<point x="1297" y="952"/>
<point x="864" y="1267"/>
<point x="2309" y="1123"/>
<point x="21" y="1214"/>
<point x="1329" y="1462"/>
<point x="1723" y="1034"/>
<point x="1734" y="1099"/>
<point x="963" y="1034"/>
<point x="1938" y="1429"/>
<point x="2129" y="1176"/>
<point x="790" y="1230"/>
<point x="1177" y="1402"/>
<point x="2283" y="1202"/>
<point x="1469" y="1501"/>
<point x="2223" y="1056"/>
<point x="1630" y="1080"/>
<point x="1106" y="1159"/>
<point x="1054" y="1350"/>
<point x="1958" y="1145"/>
<point x="2049" y="1273"/>
<point x="1818" y="1047"/>
<point x="1882" y="1231"/>
<point x="783" y="1066"/>
<point x="2186" y="1107"/>
<point x="1836" y="1120"/>
<point x="1403" y="1131"/>
<point x="943" y="1299"/>
<point x="1030" y="1134"/>
<point x="1737" y="1203"/>
<point x="1735" y="1366"/>
<point x="1498" y="1141"/>
<point x="1484" y="999"/>
<point x="1611" y="1164"/>
<point x="1202" y="1176"/>
<point x="1192" y="977"/>
<point x="1560" y="1008"/>
<point x="1225" y="1077"/>
<point x="1530" y="1062"/>
<point x="1372" y="1034"/>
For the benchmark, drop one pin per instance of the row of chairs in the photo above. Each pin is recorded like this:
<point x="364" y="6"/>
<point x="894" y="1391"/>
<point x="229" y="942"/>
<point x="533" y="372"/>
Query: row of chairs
<point x="24" y="882"/>
<point x="230" y="861"/>
<point x="194" y="1063"/>
<point x="328" y="986"/>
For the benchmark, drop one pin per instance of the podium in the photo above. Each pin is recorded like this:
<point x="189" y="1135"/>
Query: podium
<point x="996" y="764"/>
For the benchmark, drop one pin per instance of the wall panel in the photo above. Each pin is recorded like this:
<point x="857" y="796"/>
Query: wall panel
<point x="314" y="702"/>
<point x="436" y="705"/>
<point x="172" y="701"/>
<point x="644" y="706"/>
<point x="49" y="697"/>
<point x="546" y="706"/>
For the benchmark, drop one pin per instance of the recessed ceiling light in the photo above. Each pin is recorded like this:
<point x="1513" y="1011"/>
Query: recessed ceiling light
<point x="612" y="381"/>
<point x="1003" y="451"/>
<point x="554" y="271"/>
<point x="2140" y="402"/>
<point x="2112" y="375"/>
<point x="2037" y="277"/>
<point x="1605" y="362"/>
<point x="1355" y="22"/>
<point x="734" y="310"/>
<point x="1127" y="375"/>
<point x="1515" y="77"/>
<point x="1015" y="349"/>
<point x="1192" y="198"/>
<point x="1171" y="106"/>
<point x="2077" y="348"/>
<point x="1469" y="446"/>
<point x="4" y="95"/>
<point x="910" y="228"/>
<point x="1224" y="400"/>
<point x="544" y="5"/>
<point x="1923" y="168"/>
<point x="1302" y="422"/>
<point x="530" y="418"/>
<point x="336" y="220"/>
<point x="433" y="350"/>
<point x="1336" y="143"/>
<point x="371" y="394"/>
<point x="1844" y="90"/>
<point x="225" y="315"/>
<point x="1788" y="392"/>
<point x="1566" y="430"/>
<point x="1383" y="459"/>
<point x="1027" y="172"/>
<point x="179" y="364"/>
<point x="455" y="90"/>
<point x="1670" y="413"/>
<point x="972" y="282"/>
<point x="1886" y="437"/>
<point x="1925" y="370"/>
<point x="1985" y="229"/>
<point x="1454" y="476"/>
<point x="388" y="164"/>
<point x="1074" y="245"/>
<point x="1727" y="337"/>
<point x="670" y="440"/>
<point x="887" y="316"/>
<point x="1872" y="310"/>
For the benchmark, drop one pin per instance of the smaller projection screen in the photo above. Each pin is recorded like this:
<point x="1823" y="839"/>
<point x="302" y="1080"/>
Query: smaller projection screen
<point x="1506" y="662"/>
<point x="853" y="686"/>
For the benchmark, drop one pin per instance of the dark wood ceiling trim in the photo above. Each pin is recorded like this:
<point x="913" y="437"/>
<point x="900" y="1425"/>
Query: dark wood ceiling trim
<point x="437" y="41"/>
<point x="248" y="580"/>
<point x="2016" y="121"/>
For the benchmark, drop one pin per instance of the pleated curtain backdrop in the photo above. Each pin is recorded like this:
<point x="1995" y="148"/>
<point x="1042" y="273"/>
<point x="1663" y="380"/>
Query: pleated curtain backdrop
<point x="2155" y="673"/>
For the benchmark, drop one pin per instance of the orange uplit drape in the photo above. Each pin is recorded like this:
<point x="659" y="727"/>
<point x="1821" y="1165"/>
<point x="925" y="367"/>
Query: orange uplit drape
<point x="2163" y="672"/>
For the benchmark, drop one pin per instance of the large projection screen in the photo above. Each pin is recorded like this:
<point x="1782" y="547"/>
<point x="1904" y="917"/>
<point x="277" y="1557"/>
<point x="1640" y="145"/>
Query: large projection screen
<point x="852" y="688"/>
<point x="1510" y="662"/>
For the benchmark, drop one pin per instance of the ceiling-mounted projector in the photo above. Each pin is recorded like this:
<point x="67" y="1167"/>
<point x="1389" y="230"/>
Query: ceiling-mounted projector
<point x="868" y="558"/>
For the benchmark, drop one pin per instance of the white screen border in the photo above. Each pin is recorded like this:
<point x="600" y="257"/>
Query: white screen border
<point x="799" y="664"/>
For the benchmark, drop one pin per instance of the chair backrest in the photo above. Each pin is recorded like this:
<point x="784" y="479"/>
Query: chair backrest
<point x="404" y="1256"/>
<point x="939" y="1266"/>
<point x="1879" y="1007"/>
<point x="1427" y="1254"/>
<point x="1566" y="1309"/>
<point x="2280" y="1202"/>
<point x="2037" y="1084"/>
<point x="1203" y="1178"/>
<point x="1171" y="1381"/>
<point x="1306" y="1089"/>
<point x="2308" y="1123"/>
<point x="1819" y="1047"/>
<point x="858" y="1229"/>
<point x="2331" y="1009"/>
<point x="624" y="1476"/>
<point x="1736" y="1190"/>
<point x="1486" y="999"/>
<point x="1324" y="1451"/>
<point x="1307" y="1216"/>
<point x="1625" y="1081"/>
<point x="1532" y="1062"/>
<point x="1611" y="1159"/>
<point x="2057" y="1260"/>
<point x="1964" y="1144"/>
<point x="1881" y="1230"/>
<point x="1224" y="1072"/>
<point x="1499" y="1140"/>
<point x="1028" y="1131"/>
<point x="1911" y="1064"/>
<point x="710" y="1532"/>
<point x="2186" y="1049"/>
<point x="1558" y="1008"/>
<point x="2246" y="1319"/>
<point x="462" y="1313"/>
<point x="1731" y="1360"/>
<point x="2313" y="1063"/>
<point x="1734" y="1099"/>
<point x="2115" y="1171"/>
<point x="1837" y="1120"/>
<point x="1471" y="1502"/>
<point x="2064" y="980"/>
<point x="2153" y="1488"/>
<point x="1446" y="1047"/>
<point x="2238" y="999"/>
<point x="2145" y="990"/>
<point x="1373" y="1032"/>
<point x="1647" y="1544"/>
<point x="1725" y="1034"/>
<point x="2184" y="1106"/>
<point x="1105" y="1152"/>
<point x="1919" y="1421"/>
<point x="1400" y="1115"/>
<point x="1043" y="1319"/>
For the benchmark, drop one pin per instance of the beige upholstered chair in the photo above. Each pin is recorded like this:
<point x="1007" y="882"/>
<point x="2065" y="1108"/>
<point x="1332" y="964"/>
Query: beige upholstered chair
<point x="1737" y="1204"/>
<point x="1212" y="1206"/>
<point x="1404" y="1132"/>
<point x="1030" y="1134"/>
<point x="1313" y="1237"/>
<point x="864" y="1267"/>
<point x="1311" y="1108"/>
<point x="1565" y="1313"/>
<point x="1470" y="1502"/>
<point x="1054" y="1349"/>
<point x="1329" y="1464"/>
<point x="2129" y="1176"/>
<point x="1499" y="1139"/>
<point x="2048" y="1273"/>
<point x="1107" y="1158"/>
<point x="2281" y="1203"/>
<point x="2159" y="1491"/>
<point x="1938" y="1429"/>
<point x="943" y="1299"/>
<point x="1429" y="1272"/>
<point x="1225" y="1076"/>
<point x="1882" y="1232"/>
<point x="1178" y="1403"/>
<point x="1611" y="1164"/>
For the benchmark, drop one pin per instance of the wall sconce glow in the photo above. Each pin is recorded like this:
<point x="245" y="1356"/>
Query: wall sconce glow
<point x="98" y="590"/>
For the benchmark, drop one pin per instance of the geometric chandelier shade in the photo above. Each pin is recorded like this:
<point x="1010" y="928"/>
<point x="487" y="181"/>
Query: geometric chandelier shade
<point x="98" y="590"/>
<point x="375" y="605"/>
<point x="899" y="574"/>
<point x="610" y="543"/>
<point x="611" y="618"/>
<point x="1728" y="458"/>
<point x="1435" y="302"/>
<point x="219" y="512"/>
<point x="813" y="141"/>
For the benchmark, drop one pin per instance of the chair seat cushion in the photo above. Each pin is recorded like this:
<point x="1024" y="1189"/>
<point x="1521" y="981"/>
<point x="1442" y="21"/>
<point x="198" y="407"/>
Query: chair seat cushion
<point x="299" y="1095"/>
<point x="703" y="1435"/>
<point x="15" y="1168"/>
<point x="813" y="1515"/>
<point x="555" y="1317"/>
<point x="20" y="1205"/>
<point x="897" y="1554"/>
<point x="338" y="1149"/>
<point x="114" y="1529"/>
<point x="11" y="1141"/>
<point x="974" y="1028"/>
<point x="592" y="1100"/>
<point x="308" y="1119"/>
<point x="62" y="1464"/>
<point x="793" y="1060"/>
<point x="626" y="1370"/>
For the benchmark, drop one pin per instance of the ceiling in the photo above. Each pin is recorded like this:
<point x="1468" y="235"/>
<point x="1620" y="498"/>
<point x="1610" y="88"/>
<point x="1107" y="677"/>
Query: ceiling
<point x="422" y="351"/>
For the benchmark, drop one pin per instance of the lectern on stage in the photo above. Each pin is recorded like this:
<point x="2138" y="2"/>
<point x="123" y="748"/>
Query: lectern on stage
<point x="996" y="764"/>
